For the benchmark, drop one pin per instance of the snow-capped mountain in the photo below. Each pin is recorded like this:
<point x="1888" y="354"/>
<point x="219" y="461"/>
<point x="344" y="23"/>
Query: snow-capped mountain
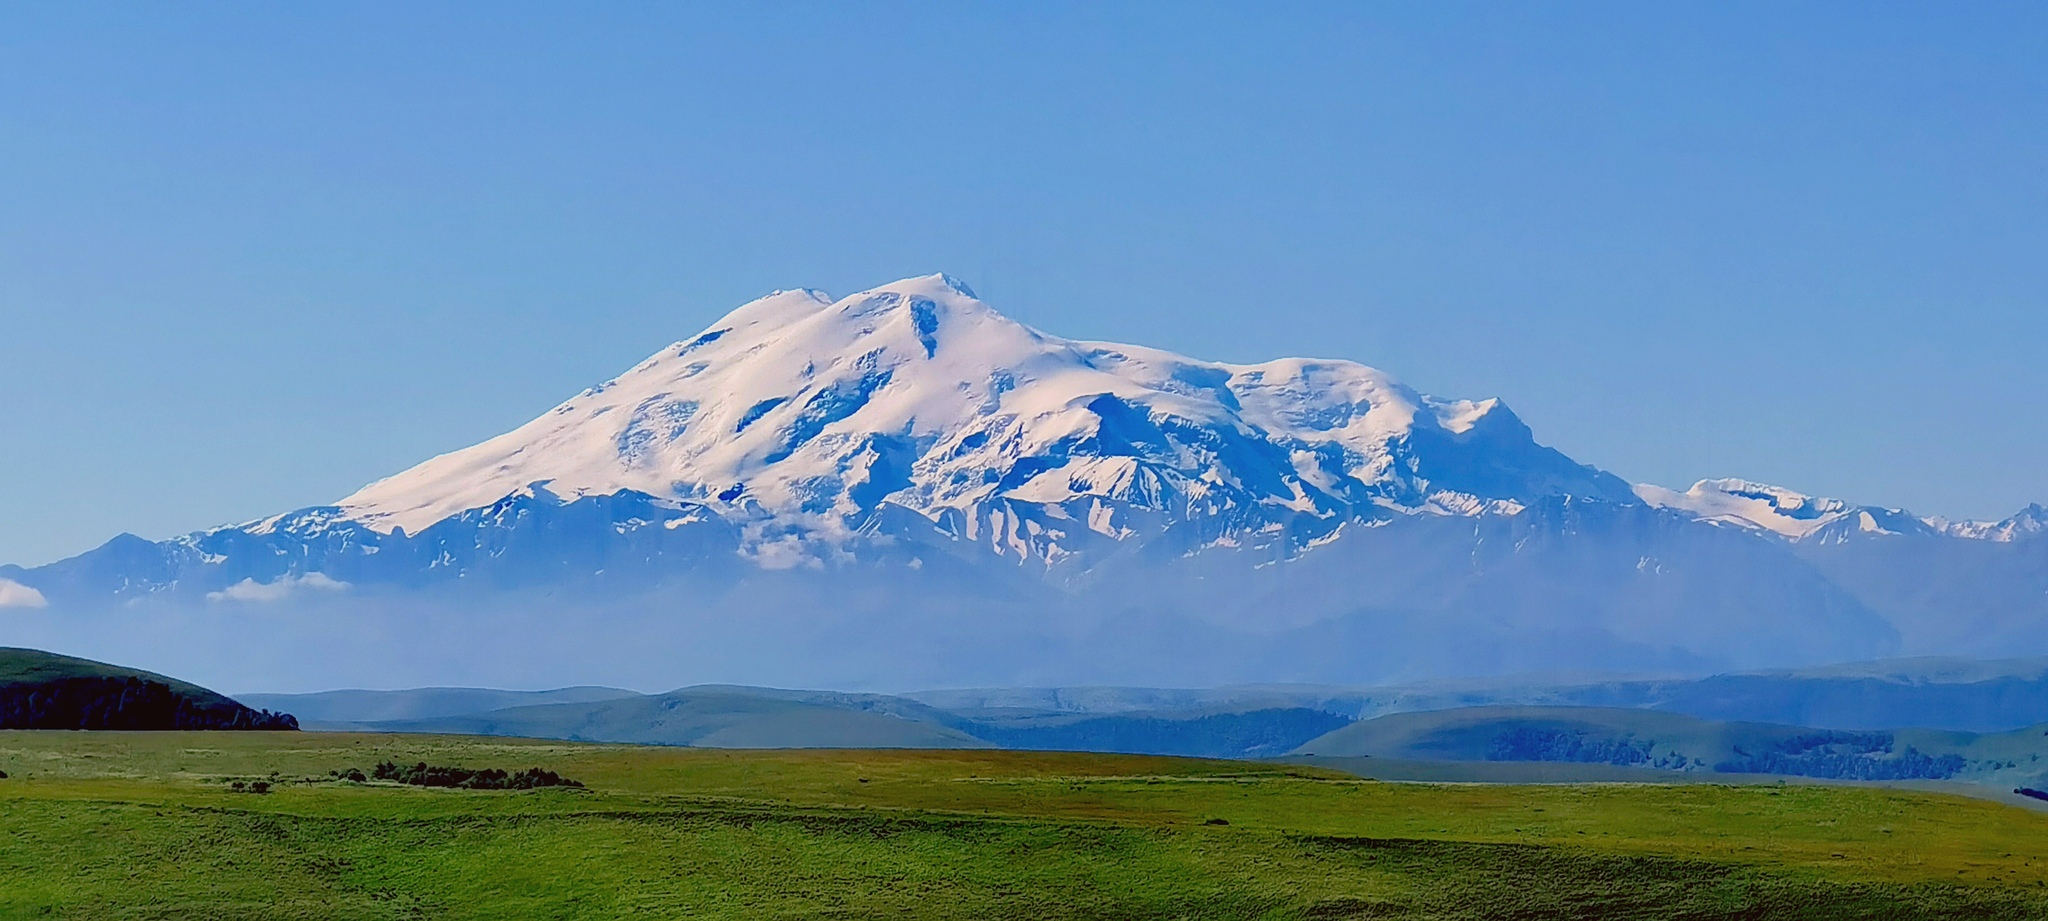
<point x="906" y="463"/>
<point x="802" y="418"/>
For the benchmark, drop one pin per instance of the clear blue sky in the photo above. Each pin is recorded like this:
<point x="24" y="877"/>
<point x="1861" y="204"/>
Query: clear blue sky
<point x="255" y="255"/>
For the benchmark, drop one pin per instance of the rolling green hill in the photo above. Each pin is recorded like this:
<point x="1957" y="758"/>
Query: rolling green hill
<point x="719" y="717"/>
<point x="43" y="690"/>
<point x="1652" y="740"/>
<point x="337" y="709"/>
<point x="1934" y="693"/>
<point x="1198" y="733"/>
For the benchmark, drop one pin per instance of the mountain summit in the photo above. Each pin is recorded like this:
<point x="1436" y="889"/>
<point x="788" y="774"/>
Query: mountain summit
<point x="904" y="487"/>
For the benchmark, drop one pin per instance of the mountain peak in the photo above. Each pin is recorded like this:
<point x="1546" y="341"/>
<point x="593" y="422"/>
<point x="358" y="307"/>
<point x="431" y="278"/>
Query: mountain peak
<point x="2025" y="523"/>
<point x="936" y="285"/>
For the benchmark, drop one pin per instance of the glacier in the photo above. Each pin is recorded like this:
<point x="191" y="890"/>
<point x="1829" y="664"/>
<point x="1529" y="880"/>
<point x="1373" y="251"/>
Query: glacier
<point x="905" y="488"/>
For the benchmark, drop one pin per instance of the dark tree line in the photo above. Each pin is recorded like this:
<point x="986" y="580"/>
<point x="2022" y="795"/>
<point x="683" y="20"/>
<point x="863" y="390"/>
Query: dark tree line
<point x="1844" y="756"/>
<point x="1913" y="765"/>
<point x="426" y="775"/>
<point x="1529" y="743"/>
<point x="124" y="703"/>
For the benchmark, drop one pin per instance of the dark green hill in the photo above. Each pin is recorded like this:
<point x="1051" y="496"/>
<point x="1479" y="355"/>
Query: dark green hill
<point x="44" y="690"/>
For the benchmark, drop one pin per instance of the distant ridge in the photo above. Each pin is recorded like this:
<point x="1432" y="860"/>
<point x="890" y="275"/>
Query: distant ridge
<point x="359" y="706"/>
<point x="1507" y="743"/>
<point x="1647" y="740"/>
<point x="1937" y="702"/>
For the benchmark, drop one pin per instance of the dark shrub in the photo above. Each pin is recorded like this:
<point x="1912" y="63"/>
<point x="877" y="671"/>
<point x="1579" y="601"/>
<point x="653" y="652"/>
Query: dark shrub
<point x="425" y="775"/>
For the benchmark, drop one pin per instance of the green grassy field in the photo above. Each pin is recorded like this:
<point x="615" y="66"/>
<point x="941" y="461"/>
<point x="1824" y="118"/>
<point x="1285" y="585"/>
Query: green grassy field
<point x="143" y="825"/>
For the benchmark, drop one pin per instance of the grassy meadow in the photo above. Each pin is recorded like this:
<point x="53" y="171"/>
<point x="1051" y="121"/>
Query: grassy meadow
<point x="145" y="825"/>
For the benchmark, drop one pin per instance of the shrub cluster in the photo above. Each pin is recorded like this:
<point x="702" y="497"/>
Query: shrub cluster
<point x="426" y="775"/>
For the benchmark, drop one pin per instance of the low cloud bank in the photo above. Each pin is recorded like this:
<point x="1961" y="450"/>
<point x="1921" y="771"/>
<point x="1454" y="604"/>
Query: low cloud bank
<point x="16" y="595"/>
<point x="277" y="590"/>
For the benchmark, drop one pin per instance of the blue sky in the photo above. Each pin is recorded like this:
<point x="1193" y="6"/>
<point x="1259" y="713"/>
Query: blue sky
<point x="253" y="256"/>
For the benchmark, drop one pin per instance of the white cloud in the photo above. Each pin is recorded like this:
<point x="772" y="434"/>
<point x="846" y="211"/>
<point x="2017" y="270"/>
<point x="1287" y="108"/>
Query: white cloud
<point x="782" y="553"/>
<point x="16" y="595"/>
<point x="283" y="587"/>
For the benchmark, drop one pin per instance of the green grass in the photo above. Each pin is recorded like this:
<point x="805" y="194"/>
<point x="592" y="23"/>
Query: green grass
<point x="142" y="825"/>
